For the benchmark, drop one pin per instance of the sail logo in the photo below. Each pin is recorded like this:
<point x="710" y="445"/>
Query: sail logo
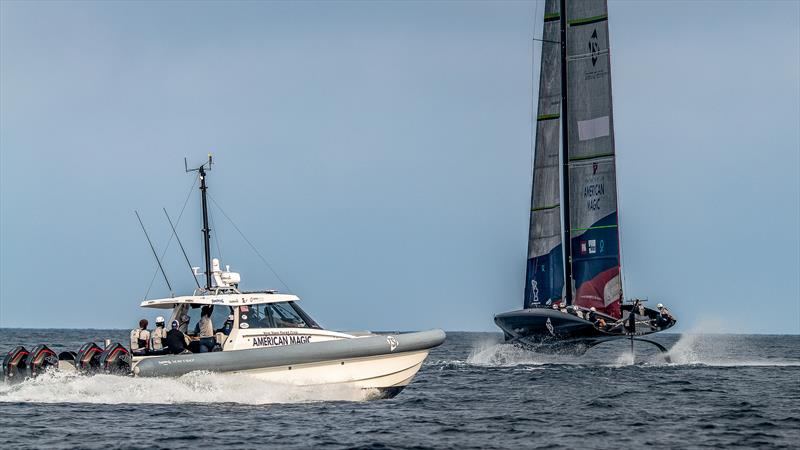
<point x="590" y="247"/>
<point x="549" y="326"/>
<point x="592" y="193"/>
<point x="594" y="47"/>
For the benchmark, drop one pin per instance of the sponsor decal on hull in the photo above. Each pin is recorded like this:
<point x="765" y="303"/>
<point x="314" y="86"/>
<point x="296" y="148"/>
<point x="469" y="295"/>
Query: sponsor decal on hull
<point x="275" y="341"/>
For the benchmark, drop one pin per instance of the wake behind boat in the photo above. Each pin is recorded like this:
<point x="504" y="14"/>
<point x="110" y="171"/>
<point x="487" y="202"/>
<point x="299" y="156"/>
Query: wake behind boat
<point x="582" y="227"/>
<point x="264" y="333"/>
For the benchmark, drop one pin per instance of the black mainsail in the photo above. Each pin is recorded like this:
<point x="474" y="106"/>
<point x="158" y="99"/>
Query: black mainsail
<point x="545" y="274"/>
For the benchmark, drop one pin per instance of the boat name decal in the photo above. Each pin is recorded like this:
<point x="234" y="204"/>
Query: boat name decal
<point x="217" y="300"/>
<point x="175" y="361"/>
<point x="273" y="341"/>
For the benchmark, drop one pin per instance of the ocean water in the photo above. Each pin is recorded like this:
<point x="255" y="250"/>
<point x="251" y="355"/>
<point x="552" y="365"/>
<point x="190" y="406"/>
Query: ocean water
<point x="472" y="392"/>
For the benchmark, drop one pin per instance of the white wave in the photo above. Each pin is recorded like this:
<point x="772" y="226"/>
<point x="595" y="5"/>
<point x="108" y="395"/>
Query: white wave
<point x="196" y="387"/>
<point x="491" y="354"/>
<point x="699" y="347"/>
<point x="626" y="358"/>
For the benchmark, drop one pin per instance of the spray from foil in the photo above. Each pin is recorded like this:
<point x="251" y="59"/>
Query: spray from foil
<point x="196" y="387"/>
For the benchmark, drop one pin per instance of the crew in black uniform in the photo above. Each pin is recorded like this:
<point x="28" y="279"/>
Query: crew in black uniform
<point x="176" y="340"/>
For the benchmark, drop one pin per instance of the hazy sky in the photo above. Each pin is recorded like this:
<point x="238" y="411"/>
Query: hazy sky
<point x="378" y="154"/>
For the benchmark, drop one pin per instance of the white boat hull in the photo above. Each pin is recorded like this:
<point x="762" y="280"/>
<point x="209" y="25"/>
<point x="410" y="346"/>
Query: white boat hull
<point x="375" y="372"/>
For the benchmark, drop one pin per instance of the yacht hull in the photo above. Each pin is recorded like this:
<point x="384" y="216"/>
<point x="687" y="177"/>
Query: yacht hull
<point x="548" y="330"/>
<point x="386" y="363"/>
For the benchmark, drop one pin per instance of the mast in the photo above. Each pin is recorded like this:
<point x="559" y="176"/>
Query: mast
<point x="565" y="157"/>
<point x="206" y="229"/>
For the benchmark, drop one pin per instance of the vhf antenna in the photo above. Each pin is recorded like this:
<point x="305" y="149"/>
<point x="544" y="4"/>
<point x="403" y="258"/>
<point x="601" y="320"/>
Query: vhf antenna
<point x="206" y="230"/>
<point x="155" y="255"/>
<point x="175" y="233"/>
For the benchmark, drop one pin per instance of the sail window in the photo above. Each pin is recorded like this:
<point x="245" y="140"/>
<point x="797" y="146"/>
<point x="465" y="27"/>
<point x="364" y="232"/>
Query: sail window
<point x="593" y="128"/>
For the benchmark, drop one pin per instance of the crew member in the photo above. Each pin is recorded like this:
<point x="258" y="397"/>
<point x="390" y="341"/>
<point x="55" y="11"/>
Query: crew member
<point x="176" y="341"/>
<point x="664" y="317"/>
<point x="140" y="339"/>
<point x="159" y="335"/>
<point x="205" y="330"/>
<point x="592" y="317"/>
<point x="227" y="326"/>
<point x="639" y="307"/>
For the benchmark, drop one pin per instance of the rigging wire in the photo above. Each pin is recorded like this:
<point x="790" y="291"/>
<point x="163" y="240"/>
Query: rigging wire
<point x="186" y="202"/>
<point x="253" y="247"/>
<point x="216" y="235"/>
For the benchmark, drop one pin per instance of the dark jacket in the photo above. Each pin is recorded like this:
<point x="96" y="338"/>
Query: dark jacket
<point x="176" y="342"/>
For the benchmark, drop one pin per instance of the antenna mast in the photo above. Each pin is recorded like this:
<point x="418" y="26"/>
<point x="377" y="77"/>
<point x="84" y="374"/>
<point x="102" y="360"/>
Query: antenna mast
<point x="206" y="230"/>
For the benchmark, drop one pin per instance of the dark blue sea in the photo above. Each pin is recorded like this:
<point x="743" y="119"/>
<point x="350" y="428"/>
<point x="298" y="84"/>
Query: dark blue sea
<point x="720" y="391"/>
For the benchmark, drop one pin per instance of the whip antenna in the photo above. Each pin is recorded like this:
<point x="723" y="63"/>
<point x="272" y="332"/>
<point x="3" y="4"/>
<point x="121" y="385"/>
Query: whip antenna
<point x="155" y="255"/>
<point x="175" y="233"/>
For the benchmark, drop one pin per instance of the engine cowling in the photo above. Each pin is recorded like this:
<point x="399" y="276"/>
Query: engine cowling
<point x="88" y="358"/>
<point x="116" y="359"/>
<point x="15" y="365"/>
<point x="39" y="359"/>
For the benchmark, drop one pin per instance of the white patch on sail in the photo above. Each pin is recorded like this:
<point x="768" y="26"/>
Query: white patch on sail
<point x="612" y="290"/>
<point x="593" y="128"/>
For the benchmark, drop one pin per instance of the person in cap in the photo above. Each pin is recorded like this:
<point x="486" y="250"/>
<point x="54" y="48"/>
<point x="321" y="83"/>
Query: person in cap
<point x="175" y="340"/>
<point x="140" y="339"/>
<point x="159" y="334"/>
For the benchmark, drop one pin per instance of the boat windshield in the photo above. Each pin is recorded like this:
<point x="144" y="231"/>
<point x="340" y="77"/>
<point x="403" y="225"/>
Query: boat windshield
<point x="274" y="315"/>
<point x="219" y="315"/>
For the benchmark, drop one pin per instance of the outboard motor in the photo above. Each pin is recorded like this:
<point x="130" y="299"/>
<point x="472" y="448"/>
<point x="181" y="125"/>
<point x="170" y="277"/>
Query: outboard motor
<point x="88" y="358"/>
<point x="116" y="359"/>
<point x="40" y="358"/>
<point x="15" y="364"/>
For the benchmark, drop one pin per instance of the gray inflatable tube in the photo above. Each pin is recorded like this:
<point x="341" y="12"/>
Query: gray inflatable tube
<point x="363" y="347"/>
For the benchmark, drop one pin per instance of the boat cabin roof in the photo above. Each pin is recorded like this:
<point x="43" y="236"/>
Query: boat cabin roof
<point x="220" y="299"/>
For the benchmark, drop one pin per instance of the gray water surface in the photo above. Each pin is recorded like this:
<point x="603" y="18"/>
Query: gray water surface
<point x="472" y="392"/>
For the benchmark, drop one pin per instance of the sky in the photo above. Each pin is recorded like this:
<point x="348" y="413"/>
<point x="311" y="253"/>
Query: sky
<point x="378" y="156"/>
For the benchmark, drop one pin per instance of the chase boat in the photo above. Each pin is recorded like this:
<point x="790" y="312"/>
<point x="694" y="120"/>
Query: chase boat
<point x="266" y="335"/>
